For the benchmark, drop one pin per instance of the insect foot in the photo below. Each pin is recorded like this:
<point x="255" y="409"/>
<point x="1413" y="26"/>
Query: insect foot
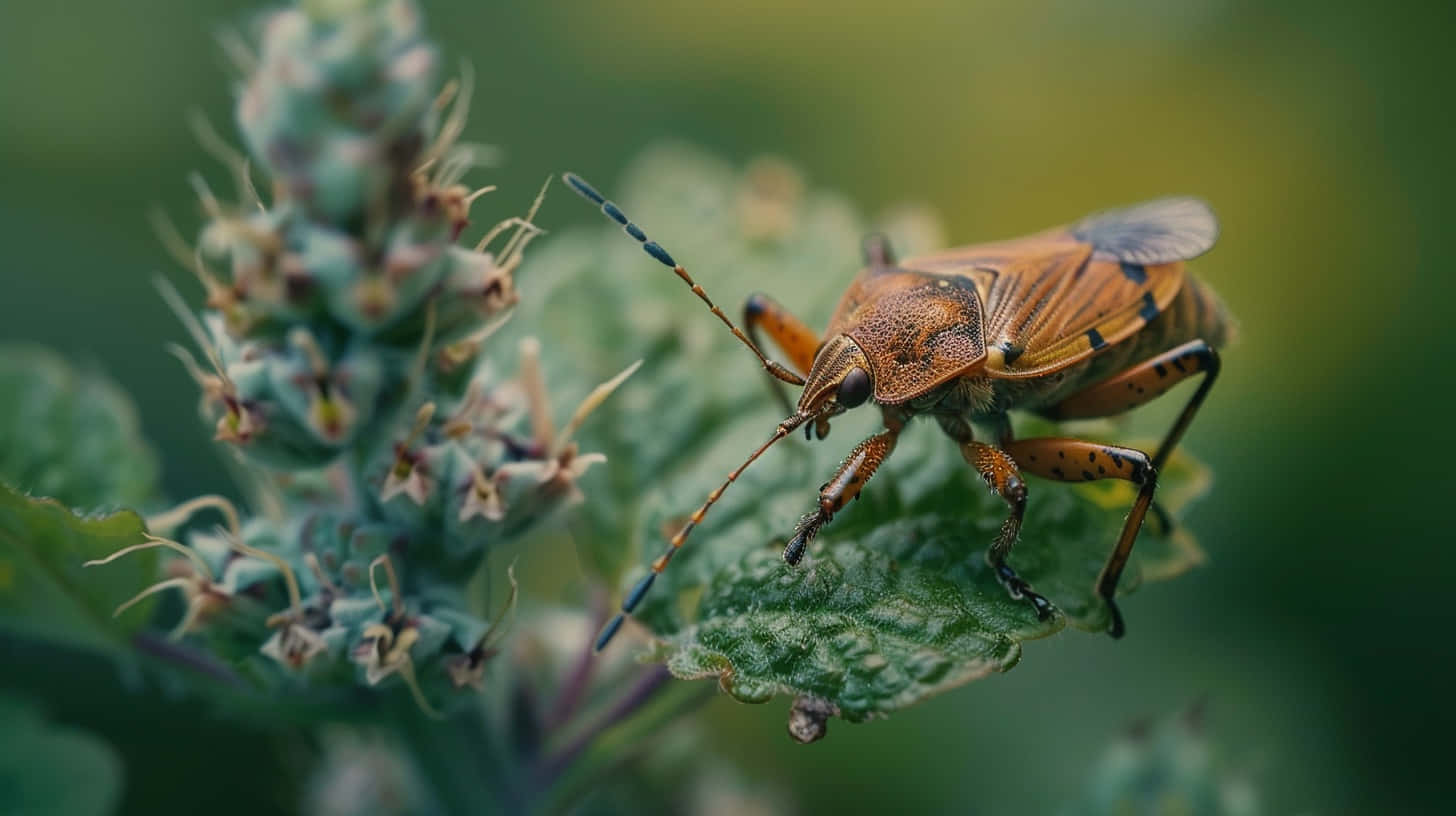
<point x="1021" y="591"/>
<point x="1116" y="628"/>
<point x="804" y="533"/>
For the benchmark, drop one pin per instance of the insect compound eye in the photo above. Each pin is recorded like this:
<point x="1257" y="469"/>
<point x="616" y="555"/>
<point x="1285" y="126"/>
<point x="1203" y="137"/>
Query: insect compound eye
<point x="854" y="389"/>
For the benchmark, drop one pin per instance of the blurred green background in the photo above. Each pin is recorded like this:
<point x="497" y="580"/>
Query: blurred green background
<point x="1321" y="132"/>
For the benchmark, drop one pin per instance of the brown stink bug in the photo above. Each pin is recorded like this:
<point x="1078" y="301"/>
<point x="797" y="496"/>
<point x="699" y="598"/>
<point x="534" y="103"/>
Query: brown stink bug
<point x="1086" y="320"/>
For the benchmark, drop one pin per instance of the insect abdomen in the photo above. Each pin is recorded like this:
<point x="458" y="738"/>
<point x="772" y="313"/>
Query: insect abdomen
<point x="1196" y="313"/>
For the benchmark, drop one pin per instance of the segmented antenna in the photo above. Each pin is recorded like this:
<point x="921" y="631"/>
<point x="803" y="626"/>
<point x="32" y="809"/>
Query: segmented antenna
<point x="640" y="590"/>
<point x="654" y="249"/>
<point x="634" y="598"/>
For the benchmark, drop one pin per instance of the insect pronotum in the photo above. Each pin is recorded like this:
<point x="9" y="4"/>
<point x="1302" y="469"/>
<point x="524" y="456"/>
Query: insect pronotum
<point x="1087" y="320"/>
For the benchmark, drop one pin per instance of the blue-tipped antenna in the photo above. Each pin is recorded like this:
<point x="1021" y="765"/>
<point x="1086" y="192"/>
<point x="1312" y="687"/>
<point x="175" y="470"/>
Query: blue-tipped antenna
<point x="634" y="598"/>
<point x="583" y="189"/>
<point x="612" y="211"/>
<point x="628" y="605"/>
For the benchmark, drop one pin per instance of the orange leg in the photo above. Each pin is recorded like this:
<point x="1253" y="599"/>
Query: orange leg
<point x="853" y="473"/>
<point x="789" y="333"/>
<point x="1001" y="474"/>
<point x="1143" y="383"/>
<point x="1073" y="460"/>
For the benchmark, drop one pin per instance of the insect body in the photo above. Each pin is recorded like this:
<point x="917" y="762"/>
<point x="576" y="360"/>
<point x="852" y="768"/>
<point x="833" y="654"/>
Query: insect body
<point x="1087" y="320"/>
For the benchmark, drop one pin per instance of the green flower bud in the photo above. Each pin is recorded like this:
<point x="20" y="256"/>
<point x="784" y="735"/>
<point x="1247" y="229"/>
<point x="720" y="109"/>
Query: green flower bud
<point x="346" y="350"/>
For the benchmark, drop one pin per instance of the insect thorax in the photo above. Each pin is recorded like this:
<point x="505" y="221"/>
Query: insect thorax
<point x="978" y="398"/>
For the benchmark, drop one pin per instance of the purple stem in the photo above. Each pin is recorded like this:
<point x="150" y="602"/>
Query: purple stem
<point x="647" y="684"/>
<point x="573" y="691"/>
<point x="160" y="647"/>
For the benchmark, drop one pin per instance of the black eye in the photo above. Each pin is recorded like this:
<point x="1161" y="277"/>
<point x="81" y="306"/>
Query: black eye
<point x="854" y="389"/>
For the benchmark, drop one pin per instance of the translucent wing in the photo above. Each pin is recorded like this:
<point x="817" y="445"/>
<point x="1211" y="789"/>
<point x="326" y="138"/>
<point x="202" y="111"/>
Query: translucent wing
<point x="1155" y="232"/>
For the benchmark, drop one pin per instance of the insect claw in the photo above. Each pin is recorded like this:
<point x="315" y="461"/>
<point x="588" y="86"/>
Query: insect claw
<point x="1042" y="606"/>
<point x="794" y="552"/>
<point x="1116" y="628"/>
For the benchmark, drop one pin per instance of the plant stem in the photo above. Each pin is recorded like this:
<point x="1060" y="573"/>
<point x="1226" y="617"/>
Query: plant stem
<point x="352" y="465"/>
<point x="574" y="689"/>
<point x="641" y="692"/>
<point x="159" y="647"/>
<point x="457" y="759"/>
<point x="625" y="745"/>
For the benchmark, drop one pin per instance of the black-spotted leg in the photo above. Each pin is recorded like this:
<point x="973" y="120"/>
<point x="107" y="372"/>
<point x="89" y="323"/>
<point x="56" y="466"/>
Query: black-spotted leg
<point x="1143" y="383"/>
<point x="793" y="337"/>
<point x="1000" y="472"/>
<point x="1074" y="460"/>
<point x="853" y="473"/>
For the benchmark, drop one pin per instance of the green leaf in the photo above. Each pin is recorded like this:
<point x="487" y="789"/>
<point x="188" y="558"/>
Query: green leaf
<point x="44" y="590"/>
<point x="870" y="625"/>
<point x="70" y="435"/>
<point x="894" y="602"/>
<point x="904" y="606"/>
<point x="54" y="770"/>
